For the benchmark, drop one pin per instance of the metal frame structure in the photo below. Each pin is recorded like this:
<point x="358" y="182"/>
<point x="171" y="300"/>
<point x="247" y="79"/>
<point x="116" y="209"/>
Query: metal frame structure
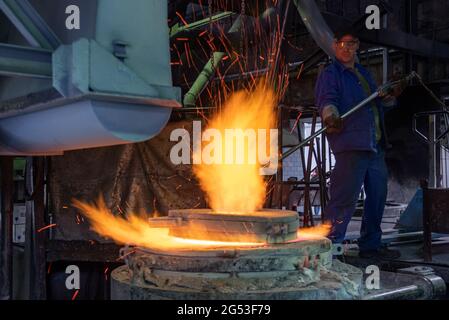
<point x="307" y="186"/>
<point x="25" y="61"/>
<point x="143" y="80"/>
<point x="30" y="24"/>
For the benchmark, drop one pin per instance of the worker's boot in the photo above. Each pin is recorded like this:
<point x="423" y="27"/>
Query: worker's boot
<point x="382" y="253"/>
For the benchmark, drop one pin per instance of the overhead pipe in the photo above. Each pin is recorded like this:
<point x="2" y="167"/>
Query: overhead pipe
<point x="176" y="30"/>
<point x="203" y="79"/>
<point x="209" y="71"/>
<point x="316" y="25"/>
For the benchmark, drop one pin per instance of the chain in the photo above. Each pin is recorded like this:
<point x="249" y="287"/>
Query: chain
<point x="211" y="34"/>
<point x="242" y="26"/>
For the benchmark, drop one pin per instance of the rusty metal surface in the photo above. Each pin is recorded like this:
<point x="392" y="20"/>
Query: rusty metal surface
<point x="265" y="226"/>
<point x="340" y="282"/>
<point x="286" y="257"/>
<point x="294" y="264"/>
<point x="298" y="270"/>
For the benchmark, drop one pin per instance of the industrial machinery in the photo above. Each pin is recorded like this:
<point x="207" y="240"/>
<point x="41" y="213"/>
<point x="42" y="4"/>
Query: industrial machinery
<point x="281" y="264"/>
<point x="106" y="83"/>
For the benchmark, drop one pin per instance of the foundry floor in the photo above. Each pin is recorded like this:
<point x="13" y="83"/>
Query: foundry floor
<point x="409" y="244"/>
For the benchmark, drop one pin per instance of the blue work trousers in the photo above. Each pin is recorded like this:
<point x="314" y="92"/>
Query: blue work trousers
<point x="353" y="170"/>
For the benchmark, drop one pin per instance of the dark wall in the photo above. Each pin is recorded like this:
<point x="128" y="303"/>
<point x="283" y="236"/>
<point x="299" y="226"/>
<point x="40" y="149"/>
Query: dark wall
<point x="408" y="159"/>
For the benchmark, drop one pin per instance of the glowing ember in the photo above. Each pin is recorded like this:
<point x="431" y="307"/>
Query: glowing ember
<point x="47" y="227"/>
<point x="75" y="294"/>
<point x="136" y="231"/>
<point x="314" y="233"/>
<point x="233" y="186"/>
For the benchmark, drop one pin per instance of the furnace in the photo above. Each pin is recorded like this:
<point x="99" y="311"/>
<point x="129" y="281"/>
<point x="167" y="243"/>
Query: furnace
<point x="278" y="263"/>
<point x="224" y="150"/>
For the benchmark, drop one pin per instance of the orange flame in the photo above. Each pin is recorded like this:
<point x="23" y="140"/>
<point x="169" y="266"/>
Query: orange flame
<point x="232" y="186"/>
<point x="314" y="233"/>
<point x="135" y="230"/>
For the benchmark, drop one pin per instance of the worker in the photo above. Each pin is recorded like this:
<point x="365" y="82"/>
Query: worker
<point x="358" y="143"/>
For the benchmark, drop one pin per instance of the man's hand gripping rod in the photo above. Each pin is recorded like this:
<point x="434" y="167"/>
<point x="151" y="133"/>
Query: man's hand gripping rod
<point x="383" y="89"/>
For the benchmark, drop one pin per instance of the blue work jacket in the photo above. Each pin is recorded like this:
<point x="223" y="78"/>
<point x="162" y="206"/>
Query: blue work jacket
<point x="340" y="86"/>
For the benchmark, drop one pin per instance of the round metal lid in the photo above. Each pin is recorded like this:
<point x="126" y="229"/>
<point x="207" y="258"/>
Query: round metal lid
<point x="266" y="226"/>
<point x="258" y="216"/>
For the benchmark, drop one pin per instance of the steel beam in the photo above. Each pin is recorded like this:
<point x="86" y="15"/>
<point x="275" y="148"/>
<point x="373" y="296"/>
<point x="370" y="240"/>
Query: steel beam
<point x="317" y="26"/>
<point x="6" y="193"/>
<point x="395" y="39"/>
<point x="30" y="24"/>
<point x="407" y="42"/>
<point x="25" y="61"/>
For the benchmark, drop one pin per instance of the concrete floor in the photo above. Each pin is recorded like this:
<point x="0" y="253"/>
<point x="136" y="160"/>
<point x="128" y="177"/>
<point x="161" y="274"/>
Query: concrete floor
<point x="409" y="244"/>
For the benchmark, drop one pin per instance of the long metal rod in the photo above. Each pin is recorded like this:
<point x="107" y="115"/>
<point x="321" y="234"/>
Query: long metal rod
<point x="280" y="169"/>
<point x="375" y="95"/>
<point x="320" y="132"/>
<point x="433" y="171"/>
<point x="255" y="73"/>
<point x="308" y="215"/>
<point x="321" y="175"/>
<point x="409" y="292"/>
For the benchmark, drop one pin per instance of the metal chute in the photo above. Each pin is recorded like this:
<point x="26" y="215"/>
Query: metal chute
<point x="111" y="79"/>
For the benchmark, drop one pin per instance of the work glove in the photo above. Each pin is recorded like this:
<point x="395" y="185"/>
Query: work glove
<point x="334" y="124"/>
<point x="332" y="119"/>
<point x="395" y="91"/>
